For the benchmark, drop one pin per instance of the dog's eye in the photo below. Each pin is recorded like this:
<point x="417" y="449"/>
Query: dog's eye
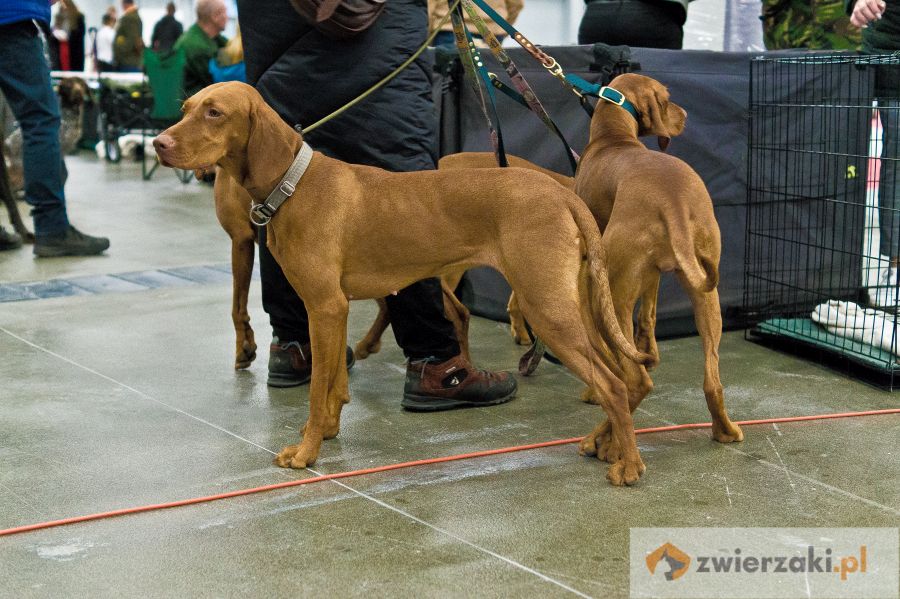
<point x="213" y="113"/>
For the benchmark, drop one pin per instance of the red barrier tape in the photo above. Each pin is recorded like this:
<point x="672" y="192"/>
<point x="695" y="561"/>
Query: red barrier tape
<point x="463" y="456"/>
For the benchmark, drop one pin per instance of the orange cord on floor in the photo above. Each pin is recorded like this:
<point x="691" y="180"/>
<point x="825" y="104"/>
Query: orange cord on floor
<point x="463" y="456"/>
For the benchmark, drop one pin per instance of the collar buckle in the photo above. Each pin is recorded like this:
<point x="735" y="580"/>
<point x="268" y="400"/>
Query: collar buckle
<point x="612" y="95"/>
<point x="287" y="188"/>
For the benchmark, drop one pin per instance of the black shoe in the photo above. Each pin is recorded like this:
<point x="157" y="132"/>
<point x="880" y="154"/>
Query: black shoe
<point x="290" y="364"/>
<point x="71" y="243"/>
<point x="432" y="387"/>
<point x="9" y="241"/>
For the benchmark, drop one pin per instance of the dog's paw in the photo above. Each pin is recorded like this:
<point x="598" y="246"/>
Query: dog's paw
<point x="728" y="433"/>
<point x="520" y="335"/>
<point x="363" y="349"/>
<point x="245" y="355"/>
<point x="298" y="456"/>
<point x="624" y="473"/>
<point x="284" y="457"/>
<point x="588" y="446"/>
<point x="608" y="450"/>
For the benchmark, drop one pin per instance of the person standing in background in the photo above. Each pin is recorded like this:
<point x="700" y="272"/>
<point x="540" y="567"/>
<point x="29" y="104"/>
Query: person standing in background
<point x="58" y="44"/>
<point x="166" y="31"/>
<point x="641" y="23"/>
<point x="74" y="24"/>
<point x="880" y="23"/>
<point x="103" y="44"/>
<point x="437" y="10"/>
<point x="201" y="42"/>
<point x="25" y="82"/>
<point x="128" y="49"/>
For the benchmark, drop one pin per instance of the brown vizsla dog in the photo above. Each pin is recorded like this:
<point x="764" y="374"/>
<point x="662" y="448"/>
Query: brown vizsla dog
<point x="355" y="232"/>
<point x="232" y="208"/>
<point x="517" y="327"/>
<point x="656" y="216"/>
<point x="455" y="310"/>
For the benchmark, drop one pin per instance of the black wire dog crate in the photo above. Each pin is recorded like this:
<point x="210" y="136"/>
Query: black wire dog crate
<point x="823" y="222"/>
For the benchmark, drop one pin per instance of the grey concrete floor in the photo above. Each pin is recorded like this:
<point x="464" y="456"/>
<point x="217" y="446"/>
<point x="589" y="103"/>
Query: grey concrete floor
<point x="127" y="397"/>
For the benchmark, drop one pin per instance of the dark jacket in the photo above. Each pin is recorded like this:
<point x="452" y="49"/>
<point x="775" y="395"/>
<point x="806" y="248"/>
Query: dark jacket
<point x="881" y="37"/>
<point x="165" y="33"/>
<point x="682" y="5"/>
<point x="304" y="76"/>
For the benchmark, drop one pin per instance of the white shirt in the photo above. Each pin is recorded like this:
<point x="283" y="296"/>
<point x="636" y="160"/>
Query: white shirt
<point x="105" y="38"/>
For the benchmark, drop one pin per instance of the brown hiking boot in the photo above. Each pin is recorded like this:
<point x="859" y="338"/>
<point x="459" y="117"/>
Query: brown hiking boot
<point x="290" y="364"/>
<point x="431" y="387"/>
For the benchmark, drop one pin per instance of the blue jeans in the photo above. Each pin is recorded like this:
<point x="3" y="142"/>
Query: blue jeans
<point x="25" y="82"/>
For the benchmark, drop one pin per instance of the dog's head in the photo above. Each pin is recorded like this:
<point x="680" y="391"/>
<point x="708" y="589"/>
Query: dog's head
<point x="224" y="124"/>
<point x="656" y="114"/>
<point x="73" y="92"/>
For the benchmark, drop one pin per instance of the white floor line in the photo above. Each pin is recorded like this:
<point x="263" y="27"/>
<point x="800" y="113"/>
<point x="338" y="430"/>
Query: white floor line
<point x="730" y="446"/>
<point x="509" y="561"/>
<point x="782" y="468"/>
<point x="132" y="389"/>
<point x="379" y="502"/>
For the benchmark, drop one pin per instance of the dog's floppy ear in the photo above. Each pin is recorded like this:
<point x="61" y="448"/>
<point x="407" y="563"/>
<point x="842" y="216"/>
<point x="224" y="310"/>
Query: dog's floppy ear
<point x="661" y="117"/>
<point x="266" y="131"/>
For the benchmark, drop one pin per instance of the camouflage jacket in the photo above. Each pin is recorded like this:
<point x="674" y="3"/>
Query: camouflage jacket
<point x="812" y="24"/>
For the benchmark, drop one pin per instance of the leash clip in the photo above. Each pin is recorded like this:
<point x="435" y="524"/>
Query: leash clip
<point x="260" y="214"/>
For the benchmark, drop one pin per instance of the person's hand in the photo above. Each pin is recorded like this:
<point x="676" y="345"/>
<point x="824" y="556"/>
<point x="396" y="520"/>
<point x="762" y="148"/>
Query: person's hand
<point x="866" y="11"/>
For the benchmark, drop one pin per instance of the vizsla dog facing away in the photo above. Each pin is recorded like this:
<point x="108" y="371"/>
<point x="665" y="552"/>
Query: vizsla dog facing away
<point x="354" y="232"/>
<point x="656" y="216"/>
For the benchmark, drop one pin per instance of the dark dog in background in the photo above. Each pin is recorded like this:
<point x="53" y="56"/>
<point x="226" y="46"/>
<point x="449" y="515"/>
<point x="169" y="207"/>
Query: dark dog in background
<point x="73" y="95"/>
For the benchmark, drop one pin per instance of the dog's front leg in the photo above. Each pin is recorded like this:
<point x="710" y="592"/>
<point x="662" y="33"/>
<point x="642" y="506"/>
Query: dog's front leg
<point x="328" y="390"/>
<point x="232" y="202"/>
<point x="242" y="251"/>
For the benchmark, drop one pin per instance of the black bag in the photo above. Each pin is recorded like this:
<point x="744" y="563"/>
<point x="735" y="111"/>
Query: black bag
<point x="339" y="19"/>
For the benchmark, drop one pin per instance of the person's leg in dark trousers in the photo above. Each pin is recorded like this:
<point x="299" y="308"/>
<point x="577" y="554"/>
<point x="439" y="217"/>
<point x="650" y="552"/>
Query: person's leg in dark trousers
<point x="420" y="326"/>
<point x="30" y="95"/>
<point x="25" y="82"/>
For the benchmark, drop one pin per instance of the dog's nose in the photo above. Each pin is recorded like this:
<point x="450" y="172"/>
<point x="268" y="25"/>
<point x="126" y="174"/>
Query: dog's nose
<point x="163" y="142"/>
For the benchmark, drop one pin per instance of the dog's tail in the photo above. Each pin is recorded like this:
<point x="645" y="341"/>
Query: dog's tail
<point x="605" y="314"/>
<point x="692" y="254"/>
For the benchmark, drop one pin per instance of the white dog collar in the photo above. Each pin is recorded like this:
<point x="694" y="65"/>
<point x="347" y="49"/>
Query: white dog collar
<point x="261" y="214"/>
